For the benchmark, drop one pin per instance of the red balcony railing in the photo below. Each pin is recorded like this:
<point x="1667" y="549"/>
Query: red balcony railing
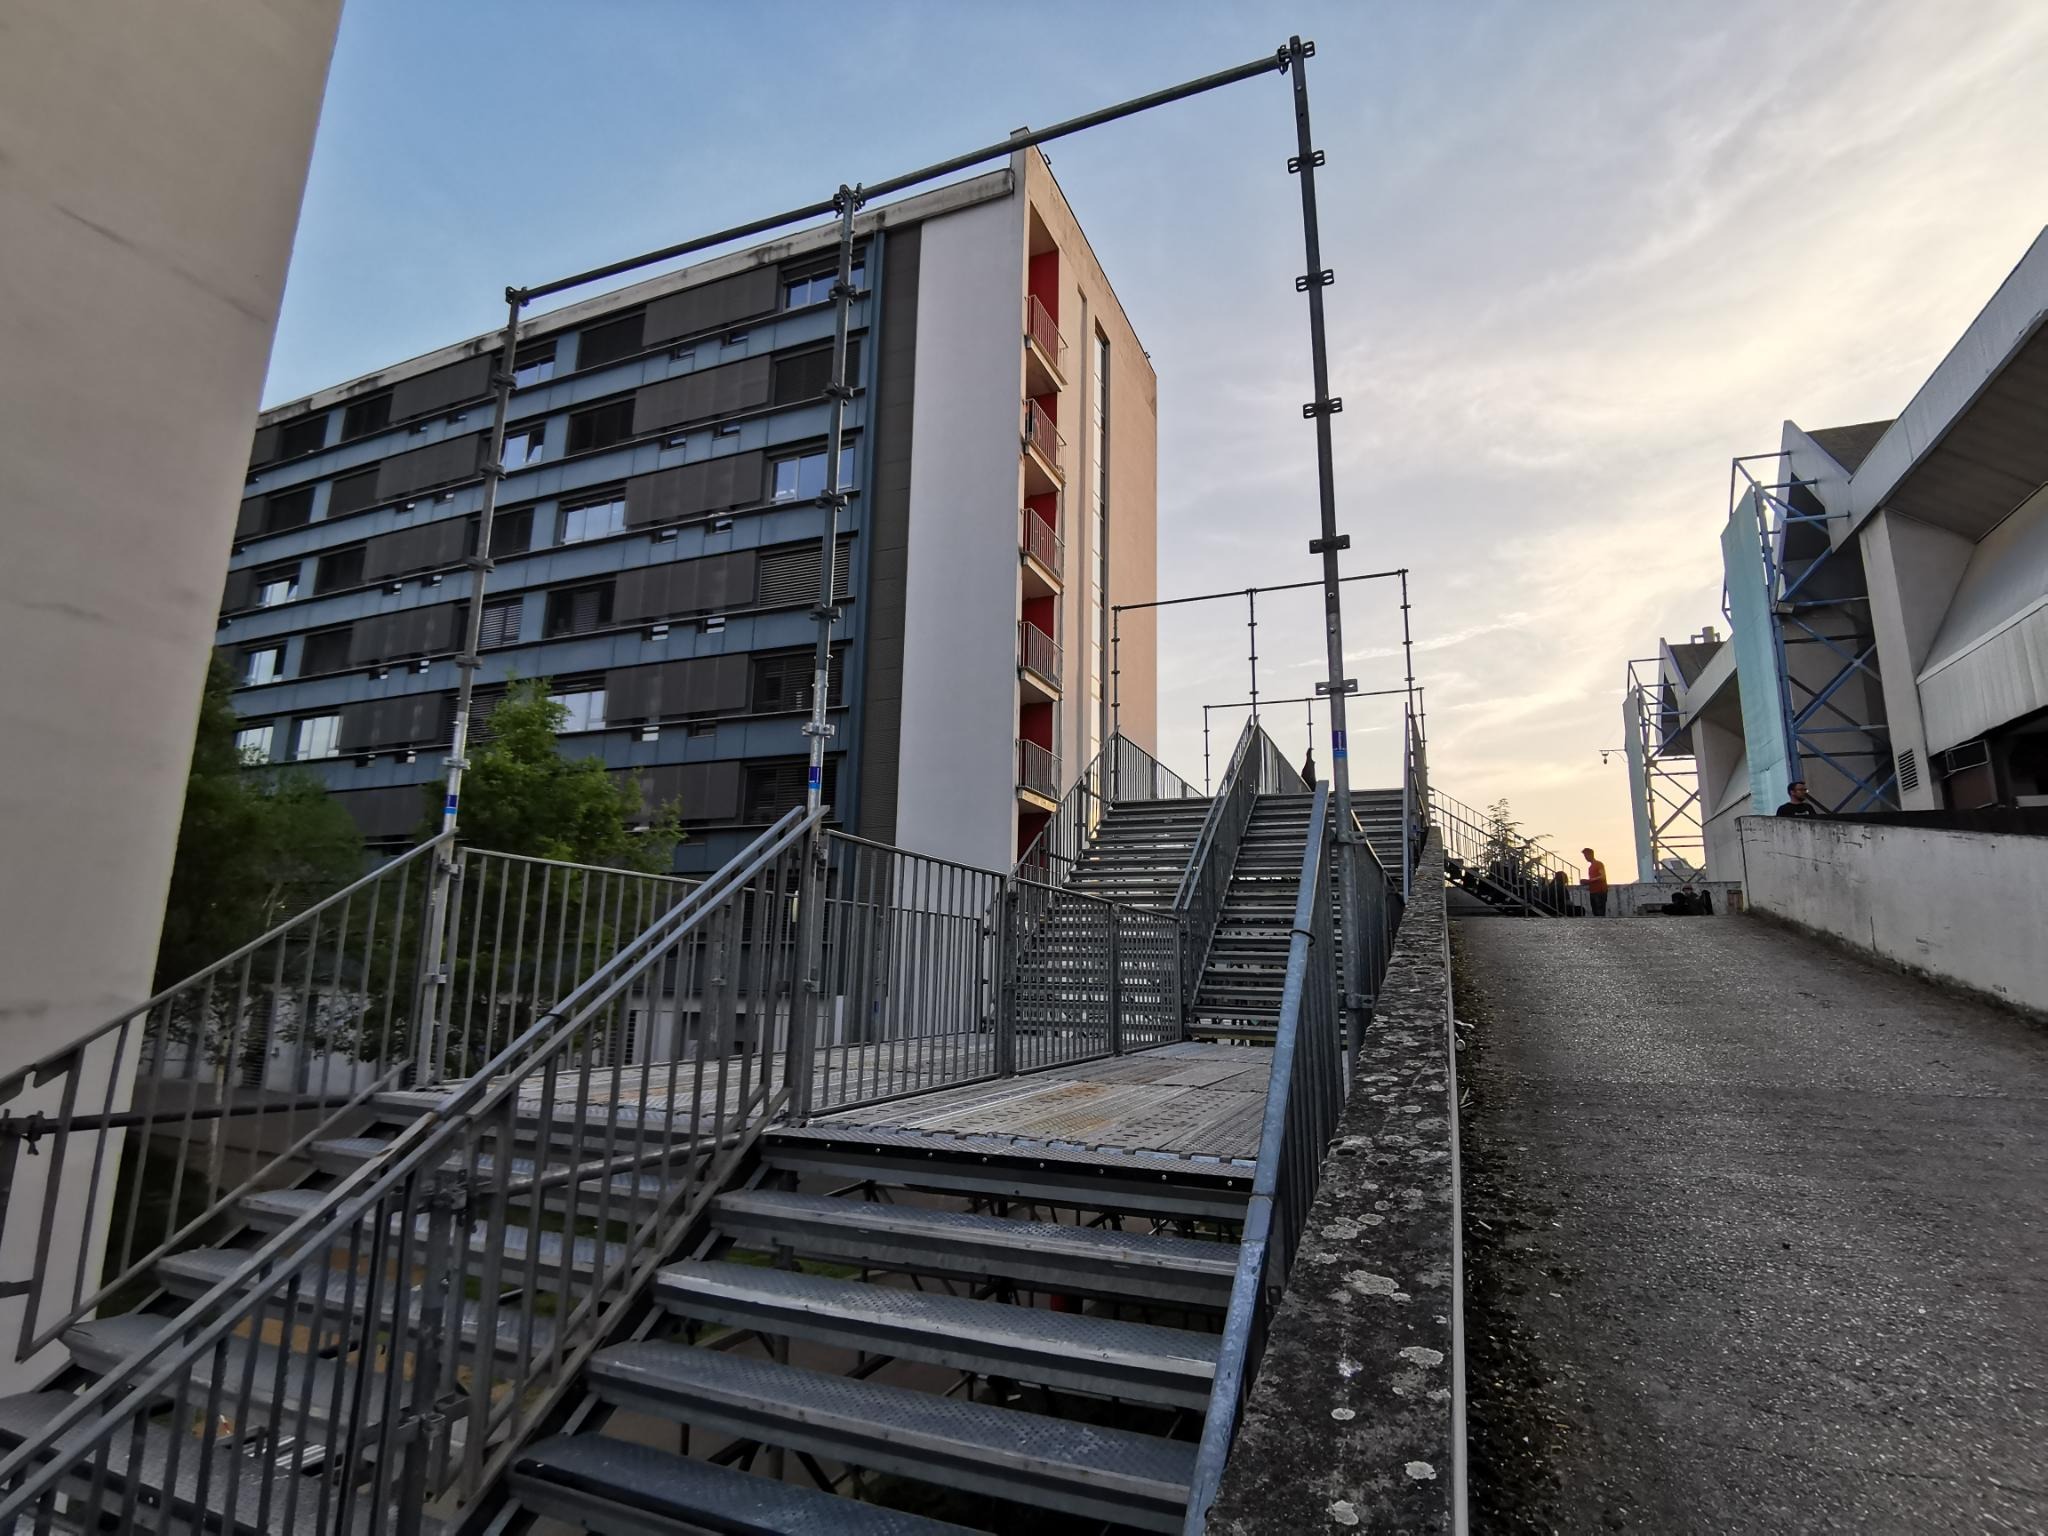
<point x="1038" y="653"/>
<point x="1042" y="542"/>
<point x="1044" y="334"/>
<point x="1041" y="434"/>
<point x="1038" y="769"/>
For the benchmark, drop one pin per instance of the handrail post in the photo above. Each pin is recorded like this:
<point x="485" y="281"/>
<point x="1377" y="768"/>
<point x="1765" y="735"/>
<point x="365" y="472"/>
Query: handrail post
<point x="1007" y="950"/>
<point x="807" y="1000"/>
<point x="1116" y="981"/>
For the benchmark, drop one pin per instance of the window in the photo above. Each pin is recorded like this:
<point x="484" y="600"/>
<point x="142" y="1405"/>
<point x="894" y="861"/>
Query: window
<point x="601" y="425"/>
<point x="317" y="736"/>
<point x="306" y="435"/>
<point x="511" y="533"/>
<point x="278" y="584"/>
<point x="802" y="376"/>
<point x="252" y="743"/>
<point x="501" y="622"/>
<point x="339" y="568"/>
<point x="610" y="341"/>
<point x="782" y="683"/>
<point x="802" y="478"/>
<point x="772" y="788"/>
<point x="326" y="651"/>
<point x="533" y="364"/>
<point x="370" y="414"/>
<point x="524" y="445"/>
<point x="585" y="709"/>
<point x="352" y="493"/>
<point x="288" y="509"/>
<point x="816" y="287"/>
<point x="790" y="575"/>
<point x="578" y="610"/>
<point x="265" y="664"/>
<point x="594" y="519"/>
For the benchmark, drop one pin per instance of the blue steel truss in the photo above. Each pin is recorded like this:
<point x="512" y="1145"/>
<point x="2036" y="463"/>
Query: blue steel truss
<point x="1664" y="778"/>
<point x="1817" y="727"/>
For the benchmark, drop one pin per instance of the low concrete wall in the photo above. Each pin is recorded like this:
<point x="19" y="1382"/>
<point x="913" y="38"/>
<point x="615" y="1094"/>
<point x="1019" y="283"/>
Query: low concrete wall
<point x="1963" y="907"/>
<point x="1358" y="1416"/>
<point x="1639" y="897"/>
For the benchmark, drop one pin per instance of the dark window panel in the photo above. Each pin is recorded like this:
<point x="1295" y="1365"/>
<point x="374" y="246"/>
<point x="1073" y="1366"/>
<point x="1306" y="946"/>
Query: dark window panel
<point x="511" y="532"/>
<point x="370" y="414"/>
<point x="601" y="425"/>
<point x="306" y="435"/>
<point x="340" y="568"/>
<point x="326" y="650"/>
<point x="443" y="389"/>
<point x="578" y="610"/>
<point x="263" y="447"/>
<point x="709" y="306"/>
<point x="690" y="490"/>
<point x="391" y="814"/>
<point x="772" y="788"/>
<point x="353" y="492"/>
<point x="709" y="392"/>
<point x="437" y="464"/>
<point x="501" y="622"/>
<point x="610" y="340"/>
<point x="288" y="509"/>
<point x="801" y="376"/>
<point x="782" y="681"/>
<point x="789" y="575"/>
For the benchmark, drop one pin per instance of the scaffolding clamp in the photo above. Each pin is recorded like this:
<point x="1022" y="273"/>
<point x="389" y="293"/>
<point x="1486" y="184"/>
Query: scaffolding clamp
<point x="1350" y="685"/>
<point x="835" y="500"/>
<point x="1328" y="407"/>
<point x="1316" y="158"/>
<point x="1309" y="280"/>
<point x="846" y="195"/>
<point x="838" y="391"/>
<point x="1324" y="546"/>
<point x="823" y="729"/>
<point x="829" y="612"/>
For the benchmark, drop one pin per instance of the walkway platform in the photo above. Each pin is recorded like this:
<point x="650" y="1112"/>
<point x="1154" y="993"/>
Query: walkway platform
<point x="1757" y="1231"/>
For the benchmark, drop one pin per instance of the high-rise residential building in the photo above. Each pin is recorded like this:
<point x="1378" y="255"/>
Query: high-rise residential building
<point x="656" y="543"/>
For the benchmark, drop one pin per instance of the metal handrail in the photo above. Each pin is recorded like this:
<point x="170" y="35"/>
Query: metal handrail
<point x="1524" y="870"/>
<point x="412" y="1173"/>
<point x="1038" y="768"/>
<point x="1044" y="333"/>
<point x="1205" y="883"/>
<point x="1042" y="433"/>
<point x="1304" y="1094"/>
<point x="1038" y="652"/>
<point x="1042" y="541"/>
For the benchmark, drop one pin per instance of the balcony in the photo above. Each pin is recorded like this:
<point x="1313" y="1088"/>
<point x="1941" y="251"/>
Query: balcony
<point x="1045" y="351"/>
<point x="1038" y="658"/>
<point x="1043" y="552"/>
<point x="1038" y="775"/>
<point x="1042" y="450"/>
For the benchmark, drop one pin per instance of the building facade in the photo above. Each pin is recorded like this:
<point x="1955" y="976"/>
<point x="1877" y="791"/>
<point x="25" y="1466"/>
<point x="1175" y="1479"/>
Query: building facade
<point x="655" y="548"/>
<point x="1887" y="597"/>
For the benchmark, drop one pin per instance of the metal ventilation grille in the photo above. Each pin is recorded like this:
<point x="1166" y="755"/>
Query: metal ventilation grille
<point x="1909" y="770"/>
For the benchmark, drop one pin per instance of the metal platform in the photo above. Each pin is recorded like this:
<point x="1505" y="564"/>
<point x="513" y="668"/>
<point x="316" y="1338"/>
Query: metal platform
<point x="1193" y="1102"/>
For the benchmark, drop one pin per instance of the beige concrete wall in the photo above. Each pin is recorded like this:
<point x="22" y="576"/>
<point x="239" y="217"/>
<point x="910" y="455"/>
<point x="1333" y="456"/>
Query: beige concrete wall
<point x="1089" y="304"/>
<point x="152" y="159"/>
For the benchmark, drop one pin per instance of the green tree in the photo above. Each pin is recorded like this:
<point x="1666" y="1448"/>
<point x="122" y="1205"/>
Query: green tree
<point x="254" y="845"/>
<point x="521" y="795"/>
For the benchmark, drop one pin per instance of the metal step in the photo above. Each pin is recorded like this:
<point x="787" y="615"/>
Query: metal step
<point x="191" y="1275"/>
<point x="1039" y="1255"/>
<point x="621" y="1489"/>
<point x="343" y="1155"/>
<point x="275" y="1209"/>
<point x="1107" y="1474"/>
<point x="107" y="1343"/>
<point x="136" y="1481"/>
<point x="1068" y="1350"/>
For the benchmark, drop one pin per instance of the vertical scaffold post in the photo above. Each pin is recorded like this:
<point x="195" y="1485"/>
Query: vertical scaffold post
<point x="1251" y="630"/>
<point x="431" y="993"/>
<point x="1320" y="409"/>
<point x="832" y="500"/>
<point x="1407" y="639"/>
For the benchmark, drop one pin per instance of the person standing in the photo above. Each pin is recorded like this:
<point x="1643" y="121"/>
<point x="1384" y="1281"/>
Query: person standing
<point x="1595" y="883"/>
<point x="1308" y="769"/>
<point x="1799" y="804"/>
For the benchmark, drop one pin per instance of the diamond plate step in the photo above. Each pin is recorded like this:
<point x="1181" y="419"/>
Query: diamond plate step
<point x="1040" y="1255"/>
<point x="533" y="1254"/>
<point x="193" y="1274"/>
<point x="623" y="1489"/>
<point x="1106" y="1474"/>
<point x="1069" y="1350"/>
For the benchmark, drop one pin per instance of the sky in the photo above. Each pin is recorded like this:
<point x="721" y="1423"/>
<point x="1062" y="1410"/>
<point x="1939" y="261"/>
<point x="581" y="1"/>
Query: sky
<point x="1584" y="254"/>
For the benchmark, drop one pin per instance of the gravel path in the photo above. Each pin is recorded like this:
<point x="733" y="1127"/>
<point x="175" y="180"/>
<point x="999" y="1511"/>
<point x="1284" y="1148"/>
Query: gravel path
<point x="1757" y="1236"/>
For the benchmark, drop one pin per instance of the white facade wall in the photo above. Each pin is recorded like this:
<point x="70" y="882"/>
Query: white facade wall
<point x="1961" y="906"/>
<point x="154" y="161"/>
<point x="956" y="795"/>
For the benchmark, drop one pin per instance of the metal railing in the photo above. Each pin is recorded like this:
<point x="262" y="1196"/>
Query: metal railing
<point x="1044" y="333"/>
<point x="1050" y="857"/>
<point x="1205" y="884"/>
<point x="1276" y="775"/>
<point x="1038" y="653"/>
<point x="909" y="976"/>
<point x="1519" y="868"/>
<point x="1042" y="542"/>
<point x="1084" y="978"/>
<point x="1038" y="769"/>
<point x="1043" y="435"/>
<point x="1304" y="1095"/>
<point x="394" y="1345"/>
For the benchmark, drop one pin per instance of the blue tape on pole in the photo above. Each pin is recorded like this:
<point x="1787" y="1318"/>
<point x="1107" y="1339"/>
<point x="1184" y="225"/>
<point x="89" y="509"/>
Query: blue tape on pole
<point x="817" y="778"/>
<point x="449" y="806"/>
<point x="1337" y="744"/>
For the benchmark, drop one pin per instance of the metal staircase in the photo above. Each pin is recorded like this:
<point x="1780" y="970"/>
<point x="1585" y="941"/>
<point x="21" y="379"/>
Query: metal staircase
<point x="1139" y="851"/>
<point x="1242" y="981"/>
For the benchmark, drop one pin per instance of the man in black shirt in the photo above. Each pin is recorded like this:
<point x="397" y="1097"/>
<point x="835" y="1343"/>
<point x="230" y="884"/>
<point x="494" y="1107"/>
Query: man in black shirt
<point x="1799" y="804"/>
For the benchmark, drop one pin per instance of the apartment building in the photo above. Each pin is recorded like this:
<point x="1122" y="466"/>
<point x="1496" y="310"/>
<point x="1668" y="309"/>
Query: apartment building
<point x="655" y="552"/>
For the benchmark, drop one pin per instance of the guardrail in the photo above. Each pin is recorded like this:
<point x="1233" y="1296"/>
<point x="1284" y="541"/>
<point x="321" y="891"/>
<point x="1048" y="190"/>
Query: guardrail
<point x="1135" y="774"/>
<point x="1303" y="1097"/>
<point x="1042" y="542"/>
<point x="1044" y="333"/>
<point x="1520" y="868"/>
<point x="1038" y="769"/>
<point x="1205" y="884"/>
<point x="1085" y="978"/>
<point x="1050" y="857"/>
<point x="1043" y="436"/>
<point x="1038" y="653"/>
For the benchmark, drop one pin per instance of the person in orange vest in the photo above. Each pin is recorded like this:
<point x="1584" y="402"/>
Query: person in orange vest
<point x="1595" y="883"/>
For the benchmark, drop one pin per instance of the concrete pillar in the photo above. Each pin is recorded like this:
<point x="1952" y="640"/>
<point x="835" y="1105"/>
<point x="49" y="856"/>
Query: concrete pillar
<point x="155" y="157"/>
<point x="1912" y="569"/>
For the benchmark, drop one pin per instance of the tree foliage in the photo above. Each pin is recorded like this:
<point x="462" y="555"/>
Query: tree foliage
<point x="254" y="845"/>
<point x="520" y="795"/>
